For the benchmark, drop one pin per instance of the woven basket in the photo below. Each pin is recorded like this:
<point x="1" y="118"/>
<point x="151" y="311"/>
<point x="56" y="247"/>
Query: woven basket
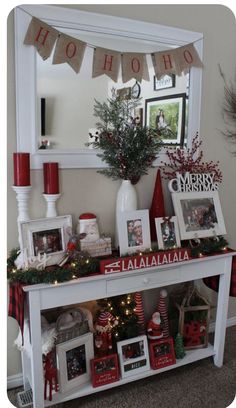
<point x="78" y="329"/>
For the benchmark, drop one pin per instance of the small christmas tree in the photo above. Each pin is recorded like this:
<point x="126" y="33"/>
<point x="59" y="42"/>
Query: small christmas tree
<point x="128" y="148"/>
<point x="179" y="347"/>
<point x="123" y="309"/>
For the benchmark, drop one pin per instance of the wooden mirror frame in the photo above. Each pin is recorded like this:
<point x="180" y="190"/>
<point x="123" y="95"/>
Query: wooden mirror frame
<point x="25" y="75"/>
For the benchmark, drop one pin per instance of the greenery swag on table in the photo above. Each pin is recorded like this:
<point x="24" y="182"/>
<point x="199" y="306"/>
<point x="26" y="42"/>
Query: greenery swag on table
<point x="126" y="146"/>
<point x="81" y="265"/>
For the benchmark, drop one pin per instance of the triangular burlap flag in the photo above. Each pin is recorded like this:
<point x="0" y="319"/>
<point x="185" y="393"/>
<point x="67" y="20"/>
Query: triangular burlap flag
<point x="106" y="62"/>
<point x="134" y="65"/>
<point x="70" y="50"/>
<point x="165" y="62"/>
<point x="188" y="57"/>
<point x="42" y="36"/>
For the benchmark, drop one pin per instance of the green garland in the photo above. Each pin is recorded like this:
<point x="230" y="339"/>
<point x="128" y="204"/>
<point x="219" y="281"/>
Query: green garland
<point x="208" y="246"/>
<point x="86" y="265"/>
<point x="52" y="274"/>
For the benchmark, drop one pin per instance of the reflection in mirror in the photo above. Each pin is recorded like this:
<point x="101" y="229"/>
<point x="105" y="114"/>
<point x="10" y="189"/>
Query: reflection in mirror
<point x="69" y="97"/>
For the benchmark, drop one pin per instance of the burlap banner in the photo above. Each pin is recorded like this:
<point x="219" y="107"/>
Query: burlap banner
<point x="70" y="50"/>
<point x="106" y="62"/>
<point x="134" y="65"/>
<point x="42" y="36"/>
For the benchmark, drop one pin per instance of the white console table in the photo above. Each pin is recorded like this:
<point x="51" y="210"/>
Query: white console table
<point x="46" y="296"/>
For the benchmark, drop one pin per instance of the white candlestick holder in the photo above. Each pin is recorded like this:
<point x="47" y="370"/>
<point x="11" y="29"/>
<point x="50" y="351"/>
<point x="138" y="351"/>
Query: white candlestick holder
<point x="51" y="200"/>
<point x="22" y="197"/>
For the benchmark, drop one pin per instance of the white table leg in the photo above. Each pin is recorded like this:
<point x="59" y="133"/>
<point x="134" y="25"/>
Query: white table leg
<point x="36" y="356"/>
<point x="222" y="310"/>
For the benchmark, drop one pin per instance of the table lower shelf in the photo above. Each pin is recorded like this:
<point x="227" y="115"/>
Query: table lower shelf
<point x="87" y="389"/>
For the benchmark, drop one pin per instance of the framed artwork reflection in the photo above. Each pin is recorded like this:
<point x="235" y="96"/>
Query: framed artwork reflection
<point x="166" y="115"/>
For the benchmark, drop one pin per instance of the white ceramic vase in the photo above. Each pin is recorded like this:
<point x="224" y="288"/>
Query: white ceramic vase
<point x="126" y="201"/>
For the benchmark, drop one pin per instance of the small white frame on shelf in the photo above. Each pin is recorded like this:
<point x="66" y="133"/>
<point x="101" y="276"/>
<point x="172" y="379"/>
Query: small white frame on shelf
<point x="46" y="236"/>
<point x="167" y="231"/>
<point x="133" y="356"/>
<point x="199" y="214"/>
<point x="133" y="231"/>
<point x="73" y="360"/>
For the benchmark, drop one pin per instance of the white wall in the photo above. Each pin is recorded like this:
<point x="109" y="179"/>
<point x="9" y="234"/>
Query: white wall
<point x="85" y="190"/>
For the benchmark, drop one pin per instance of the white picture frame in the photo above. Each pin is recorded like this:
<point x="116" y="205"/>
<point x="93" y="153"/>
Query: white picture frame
<point x="46" y="236"/>
<point x="73" y="362"/>
<point x="167" y="231"/>
<point x="199" y="214"/>
<point x="133" y="356"/>
<point x="133" y="231"/>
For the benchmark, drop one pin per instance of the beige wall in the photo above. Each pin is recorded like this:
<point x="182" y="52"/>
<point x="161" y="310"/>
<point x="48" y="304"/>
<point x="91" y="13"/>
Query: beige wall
<point x="85" y="190"/>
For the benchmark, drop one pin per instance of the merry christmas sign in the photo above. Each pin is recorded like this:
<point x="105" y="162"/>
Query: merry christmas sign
<point x="130" y="263"/>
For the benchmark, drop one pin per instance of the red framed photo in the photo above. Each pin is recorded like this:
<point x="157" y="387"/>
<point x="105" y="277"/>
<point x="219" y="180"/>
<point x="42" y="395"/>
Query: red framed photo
<point x="161" y="353"/>
<point x="104" y="370"/>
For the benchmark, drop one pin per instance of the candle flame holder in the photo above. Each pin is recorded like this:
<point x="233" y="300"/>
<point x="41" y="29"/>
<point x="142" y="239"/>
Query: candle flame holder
<point x="51" y="200"/>
<point x="22" y="197"/>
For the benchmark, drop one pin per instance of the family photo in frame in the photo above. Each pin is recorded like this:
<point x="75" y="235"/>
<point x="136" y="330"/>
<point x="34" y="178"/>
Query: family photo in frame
<point x="167" y="231"/>
<point x="46" y="236"/>
<point x="133" y="356"/>
<point x="133" y="231"/>
<point x="199" y="214"/>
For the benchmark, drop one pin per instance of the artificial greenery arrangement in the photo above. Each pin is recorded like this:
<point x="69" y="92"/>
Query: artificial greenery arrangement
<point x="189" y="160"/>
<point x="229" y="108"/>
<point x="127" y="147"/>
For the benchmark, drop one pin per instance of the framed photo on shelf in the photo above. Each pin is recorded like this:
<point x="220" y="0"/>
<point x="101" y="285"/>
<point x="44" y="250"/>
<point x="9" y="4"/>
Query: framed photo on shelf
<point x="199" y="214"/>
<point x="46" y="236"/>
<point x="133" y="231"/>
<point x="133" y="356"/>
<point x="166" y="115"/>
<point x="104" y="370"/>
<point x="73" y="360"/>
<point x="167" y="81"/>
<point x="167" y="232"/>
<point x="161" y="353"/>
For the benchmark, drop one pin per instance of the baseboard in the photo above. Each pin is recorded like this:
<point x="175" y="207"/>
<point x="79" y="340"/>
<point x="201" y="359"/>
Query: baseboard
<point x="231" y="321"/>
<point x="16" y="380"/>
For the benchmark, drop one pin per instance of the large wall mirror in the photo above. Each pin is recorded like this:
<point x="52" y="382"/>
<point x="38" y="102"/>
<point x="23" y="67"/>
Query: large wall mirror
<point x="54" y="103"/>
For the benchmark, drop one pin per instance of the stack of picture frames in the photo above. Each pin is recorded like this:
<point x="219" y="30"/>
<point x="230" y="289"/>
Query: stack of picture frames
<point x="198" y="216"/>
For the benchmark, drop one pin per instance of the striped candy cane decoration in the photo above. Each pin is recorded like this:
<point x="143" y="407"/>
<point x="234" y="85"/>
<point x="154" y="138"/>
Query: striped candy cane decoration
<point x="162" y="309"/>
<point x="139" y="311"/>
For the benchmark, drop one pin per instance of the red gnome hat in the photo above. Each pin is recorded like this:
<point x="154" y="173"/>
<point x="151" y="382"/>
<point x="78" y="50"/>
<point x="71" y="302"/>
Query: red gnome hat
<point x="104" y="319"/>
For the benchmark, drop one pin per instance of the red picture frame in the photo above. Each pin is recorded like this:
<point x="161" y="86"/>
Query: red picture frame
<point x="104" y="370"/>
<point x="161" y="353"/>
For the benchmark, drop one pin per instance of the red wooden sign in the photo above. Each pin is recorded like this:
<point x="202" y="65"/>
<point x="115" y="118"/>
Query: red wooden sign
<point x="144" y="261"/>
